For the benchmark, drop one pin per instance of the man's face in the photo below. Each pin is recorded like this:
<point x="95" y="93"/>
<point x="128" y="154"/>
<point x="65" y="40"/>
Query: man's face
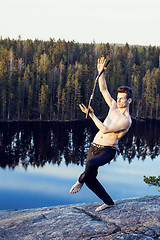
<point x="122" y="101"/>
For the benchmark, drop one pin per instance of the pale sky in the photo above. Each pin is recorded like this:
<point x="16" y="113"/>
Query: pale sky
<point x="84" y="21"/>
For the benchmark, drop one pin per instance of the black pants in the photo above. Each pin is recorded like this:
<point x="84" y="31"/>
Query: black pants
<point x="97" y="157"/>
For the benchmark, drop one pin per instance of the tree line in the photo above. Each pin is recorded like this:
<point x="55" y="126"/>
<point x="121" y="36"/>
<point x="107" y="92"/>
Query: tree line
<point x="46" y="80"/>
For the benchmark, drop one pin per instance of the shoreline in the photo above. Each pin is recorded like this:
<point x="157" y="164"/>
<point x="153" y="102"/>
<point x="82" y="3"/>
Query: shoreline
<point x="67" y="121"/>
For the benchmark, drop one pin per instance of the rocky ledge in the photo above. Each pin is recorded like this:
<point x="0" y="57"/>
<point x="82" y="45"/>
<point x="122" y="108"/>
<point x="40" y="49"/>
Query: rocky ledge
<point x="136" y="218"/>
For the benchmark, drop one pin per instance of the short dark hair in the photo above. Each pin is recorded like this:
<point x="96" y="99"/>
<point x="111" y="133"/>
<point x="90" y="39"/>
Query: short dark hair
<point x="127" y="90"/>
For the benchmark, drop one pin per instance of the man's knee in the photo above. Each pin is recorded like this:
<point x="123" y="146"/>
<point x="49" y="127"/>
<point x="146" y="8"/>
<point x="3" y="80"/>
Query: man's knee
<point x="90" y="164"/>
<point x="91" y="171"/>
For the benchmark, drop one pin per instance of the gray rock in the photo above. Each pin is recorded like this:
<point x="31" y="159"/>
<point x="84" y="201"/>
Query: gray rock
<point x="129" y="219"/>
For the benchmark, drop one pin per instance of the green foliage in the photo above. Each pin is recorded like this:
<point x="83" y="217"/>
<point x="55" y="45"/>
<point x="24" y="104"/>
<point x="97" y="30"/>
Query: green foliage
<point x="43" y="100"/>
<point x="152" y="181"/>
<point x="48" y="79"/>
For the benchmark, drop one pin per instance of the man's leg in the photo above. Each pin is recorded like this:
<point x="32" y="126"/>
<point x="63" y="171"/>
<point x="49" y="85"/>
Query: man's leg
<point x="89" y="177"/>
<point x="95" y="186"/>
<point x="78" y="185"/>
<point x="98" y="189"/>
<point x="90" y="173"/>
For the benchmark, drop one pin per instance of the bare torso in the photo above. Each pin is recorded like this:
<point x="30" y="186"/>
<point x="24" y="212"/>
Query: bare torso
<point x="115" y="119"/>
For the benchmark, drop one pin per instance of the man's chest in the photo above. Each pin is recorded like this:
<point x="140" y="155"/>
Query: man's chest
<point x="114" y="117"/>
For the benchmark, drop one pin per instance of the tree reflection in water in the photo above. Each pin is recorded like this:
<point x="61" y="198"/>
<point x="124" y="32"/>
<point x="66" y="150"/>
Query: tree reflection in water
<point x="143" y="139"/>
<point x="36" y="143"/>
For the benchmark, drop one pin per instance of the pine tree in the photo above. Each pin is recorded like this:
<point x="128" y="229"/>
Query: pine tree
<point x="4" y="103"/>
<point x="30" y="96"/>
<point x="149" y="87"/>
<point x="63" y="101"/>
<point x="77" y="91"/>
<point x="58" y="101"/>
<point x="43" y="101"/>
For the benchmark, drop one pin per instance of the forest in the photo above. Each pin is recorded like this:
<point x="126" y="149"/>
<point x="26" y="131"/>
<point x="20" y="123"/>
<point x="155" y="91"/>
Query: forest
<point x="46" y="80"/>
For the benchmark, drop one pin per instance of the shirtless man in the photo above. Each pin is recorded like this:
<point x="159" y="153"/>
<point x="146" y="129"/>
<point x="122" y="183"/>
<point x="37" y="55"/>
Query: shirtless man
<point x="103" y="147"/>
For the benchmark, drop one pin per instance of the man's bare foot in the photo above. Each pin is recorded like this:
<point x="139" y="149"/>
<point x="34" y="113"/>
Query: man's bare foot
<point x="102" y="207"/>
<point x="76" y="187"/>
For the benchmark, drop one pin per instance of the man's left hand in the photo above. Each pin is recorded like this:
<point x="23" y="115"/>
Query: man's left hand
<point x="85" y="109"/>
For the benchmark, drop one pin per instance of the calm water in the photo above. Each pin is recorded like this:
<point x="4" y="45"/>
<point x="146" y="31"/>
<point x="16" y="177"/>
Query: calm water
<point x="39" y="162"/>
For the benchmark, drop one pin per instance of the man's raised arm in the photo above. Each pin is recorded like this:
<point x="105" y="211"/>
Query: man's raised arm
<point x="102" y="83"/>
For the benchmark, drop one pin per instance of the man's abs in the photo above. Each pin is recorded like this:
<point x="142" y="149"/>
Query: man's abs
<point x="108" y="139"/>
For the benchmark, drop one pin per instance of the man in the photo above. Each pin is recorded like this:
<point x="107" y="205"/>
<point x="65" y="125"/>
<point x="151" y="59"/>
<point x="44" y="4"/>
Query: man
<point x="103" y="148"/>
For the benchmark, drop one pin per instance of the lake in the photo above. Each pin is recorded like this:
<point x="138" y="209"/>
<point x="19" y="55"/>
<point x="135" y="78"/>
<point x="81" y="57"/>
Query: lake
<point x="40" y="161"/>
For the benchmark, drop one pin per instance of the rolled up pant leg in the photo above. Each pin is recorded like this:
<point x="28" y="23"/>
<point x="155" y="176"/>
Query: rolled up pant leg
<point x="96" y="159"/>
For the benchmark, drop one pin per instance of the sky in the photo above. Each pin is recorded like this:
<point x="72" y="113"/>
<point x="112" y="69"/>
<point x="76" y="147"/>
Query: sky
<point x="136" y="22"/>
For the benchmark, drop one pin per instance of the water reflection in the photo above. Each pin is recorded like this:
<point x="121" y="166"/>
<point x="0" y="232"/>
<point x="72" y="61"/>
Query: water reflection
<point x="38" y="143"/>
<point x="143" y="139"/>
